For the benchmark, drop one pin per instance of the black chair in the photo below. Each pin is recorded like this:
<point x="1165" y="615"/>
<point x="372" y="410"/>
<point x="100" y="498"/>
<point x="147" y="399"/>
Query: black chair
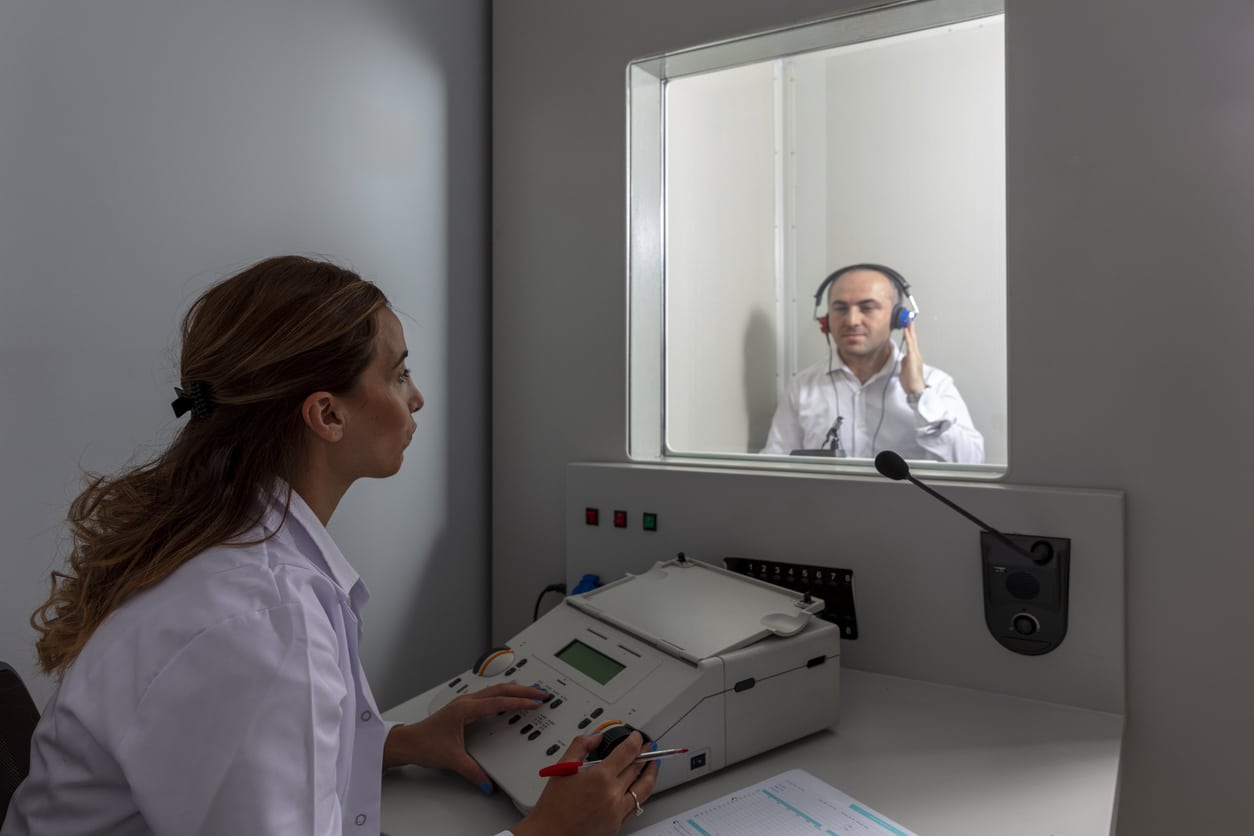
<point x="18" y="716"/>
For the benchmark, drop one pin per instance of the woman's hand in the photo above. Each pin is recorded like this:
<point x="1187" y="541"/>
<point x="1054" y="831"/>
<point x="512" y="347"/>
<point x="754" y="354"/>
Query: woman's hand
<point x="597" y="800"/>
<point x="439" y="741"/>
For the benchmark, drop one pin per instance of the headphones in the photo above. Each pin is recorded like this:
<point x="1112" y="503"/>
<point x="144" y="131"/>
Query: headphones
<point x="900" y="317"/>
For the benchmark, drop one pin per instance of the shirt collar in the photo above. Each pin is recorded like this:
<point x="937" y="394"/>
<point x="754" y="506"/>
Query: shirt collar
<point x="890" y="366"/>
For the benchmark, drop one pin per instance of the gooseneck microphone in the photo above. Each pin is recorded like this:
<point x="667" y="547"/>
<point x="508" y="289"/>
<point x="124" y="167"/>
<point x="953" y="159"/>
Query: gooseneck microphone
<point x="1025" y="592"/>
<point x="892" y="465"/>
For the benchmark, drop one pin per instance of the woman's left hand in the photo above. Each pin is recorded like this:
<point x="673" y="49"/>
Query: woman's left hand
<point x="439" y="741"/>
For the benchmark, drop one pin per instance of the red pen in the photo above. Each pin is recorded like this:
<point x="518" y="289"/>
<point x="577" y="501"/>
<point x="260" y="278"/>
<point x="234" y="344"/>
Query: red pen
<point x="573" y="767"/>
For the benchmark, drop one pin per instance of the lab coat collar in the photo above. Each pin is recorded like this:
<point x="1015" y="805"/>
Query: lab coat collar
<point x="340" y="570"/>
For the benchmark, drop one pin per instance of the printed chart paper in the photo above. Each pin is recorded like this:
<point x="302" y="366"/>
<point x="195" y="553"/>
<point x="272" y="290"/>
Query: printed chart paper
<point x="793" y="803"/>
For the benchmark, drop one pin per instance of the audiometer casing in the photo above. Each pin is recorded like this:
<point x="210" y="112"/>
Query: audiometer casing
<point x="692" y="655"/>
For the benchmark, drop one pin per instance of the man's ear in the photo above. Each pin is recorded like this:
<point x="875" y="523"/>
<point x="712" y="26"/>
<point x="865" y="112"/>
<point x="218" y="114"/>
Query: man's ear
<point x="323" y="415"/>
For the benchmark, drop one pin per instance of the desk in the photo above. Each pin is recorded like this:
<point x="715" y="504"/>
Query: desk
<point x="943" y="761"/>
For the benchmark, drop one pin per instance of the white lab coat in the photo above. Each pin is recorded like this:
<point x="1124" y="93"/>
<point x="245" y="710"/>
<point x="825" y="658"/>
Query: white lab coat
<point x="228" y="699"/>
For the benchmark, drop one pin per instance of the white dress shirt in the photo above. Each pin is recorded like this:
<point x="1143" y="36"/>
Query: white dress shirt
<point x="229" y="699"/>
<point x="876" y="414"/>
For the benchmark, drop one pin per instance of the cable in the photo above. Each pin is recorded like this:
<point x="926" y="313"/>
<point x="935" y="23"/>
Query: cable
<point x="883" y="409"/>
<point x="553" y="587"/>
<point x="884" y="397"/>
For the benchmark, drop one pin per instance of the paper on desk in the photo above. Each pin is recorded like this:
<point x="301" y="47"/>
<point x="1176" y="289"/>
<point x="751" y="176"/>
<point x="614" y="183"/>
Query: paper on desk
<point x="793" y="803"/>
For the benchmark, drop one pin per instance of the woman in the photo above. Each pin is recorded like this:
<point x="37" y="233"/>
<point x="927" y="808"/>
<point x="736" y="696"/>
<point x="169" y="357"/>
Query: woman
<point x="205" y="632"/>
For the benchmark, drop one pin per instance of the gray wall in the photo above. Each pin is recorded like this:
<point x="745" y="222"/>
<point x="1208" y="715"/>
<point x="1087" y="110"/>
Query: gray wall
<point x="146" y="149"/>
<point x="1130" y="188"/>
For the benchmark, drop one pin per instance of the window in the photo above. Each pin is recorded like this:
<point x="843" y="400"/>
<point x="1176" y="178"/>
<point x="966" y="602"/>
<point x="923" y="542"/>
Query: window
<point x="758" y="166"/>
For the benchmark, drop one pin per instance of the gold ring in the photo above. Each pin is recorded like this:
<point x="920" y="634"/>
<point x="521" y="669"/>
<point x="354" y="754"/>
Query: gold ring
<point x="635" y="798"/>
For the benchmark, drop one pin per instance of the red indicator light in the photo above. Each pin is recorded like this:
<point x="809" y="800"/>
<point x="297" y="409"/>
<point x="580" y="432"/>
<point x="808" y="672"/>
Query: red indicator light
<point x="591" y="516"/>
<point x="620" y="519"/>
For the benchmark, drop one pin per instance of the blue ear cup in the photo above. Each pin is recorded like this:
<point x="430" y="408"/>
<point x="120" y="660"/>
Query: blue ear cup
<point x="902" y="317"/>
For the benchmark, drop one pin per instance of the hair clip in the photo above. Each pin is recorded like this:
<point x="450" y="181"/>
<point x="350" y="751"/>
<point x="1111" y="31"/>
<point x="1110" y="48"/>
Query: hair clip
<point x="195" y="399"/>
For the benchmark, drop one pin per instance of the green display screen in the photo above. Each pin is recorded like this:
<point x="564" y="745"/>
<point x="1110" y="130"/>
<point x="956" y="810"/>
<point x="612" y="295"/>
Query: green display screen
<point x="591" y="663"/>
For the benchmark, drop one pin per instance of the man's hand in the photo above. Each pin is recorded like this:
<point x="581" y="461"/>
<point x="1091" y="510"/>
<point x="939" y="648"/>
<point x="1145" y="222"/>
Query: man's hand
<point x="440" y="740"/>
<point x="912" y="364"/>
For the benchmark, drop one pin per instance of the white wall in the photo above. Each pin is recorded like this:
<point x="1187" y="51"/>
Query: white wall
<point x="148" y="148"/>
<point x="1129" y="129"/>
<point x="720" y="259"/>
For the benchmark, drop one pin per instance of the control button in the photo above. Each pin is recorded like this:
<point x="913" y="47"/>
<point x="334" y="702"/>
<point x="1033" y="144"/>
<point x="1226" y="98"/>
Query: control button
<point x="555" y="703"/>
<point x="552" y="749"/>
<point x="361" y="819"/>
<point x="620" y="519"/>
<point x="454" y="682"/>
<point x="583" y="724"/>
<point x="1024" y="624"/>
<point x="510" y="672"/>
<point x="696" y="761"/>
<point x="525" y="729"/>
<point x="650" y="521"/>
<point x="534" y="735"/>
<point x="597" y="712"/>
<point x="514" y="719"/>
<point x="520" y="663"/>
<point x="365" y="716"/>
<point x="591" y="516"/>
<point x="547" y="697"/>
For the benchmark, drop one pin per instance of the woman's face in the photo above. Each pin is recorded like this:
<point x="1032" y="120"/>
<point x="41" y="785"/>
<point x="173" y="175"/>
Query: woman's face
<point x="380" y="408"/>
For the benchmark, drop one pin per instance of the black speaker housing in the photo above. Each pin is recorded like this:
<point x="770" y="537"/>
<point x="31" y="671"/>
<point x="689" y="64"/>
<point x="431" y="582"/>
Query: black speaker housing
<point x="1025" y="598"/>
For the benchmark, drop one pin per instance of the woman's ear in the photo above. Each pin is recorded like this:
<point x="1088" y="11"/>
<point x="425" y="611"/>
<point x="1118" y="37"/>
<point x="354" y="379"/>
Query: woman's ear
<point x="323" y="415"/>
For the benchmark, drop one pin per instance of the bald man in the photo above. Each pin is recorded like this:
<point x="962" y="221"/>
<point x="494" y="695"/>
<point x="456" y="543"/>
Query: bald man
<point x="869" y="395"/>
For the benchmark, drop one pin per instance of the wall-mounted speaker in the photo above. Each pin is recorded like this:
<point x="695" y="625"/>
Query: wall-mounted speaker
<point x="1025" y="595"/>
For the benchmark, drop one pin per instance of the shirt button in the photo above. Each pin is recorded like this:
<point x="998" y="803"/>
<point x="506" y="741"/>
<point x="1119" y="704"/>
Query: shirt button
<point x="365" y="716"/>
<point x="361" y="818"/>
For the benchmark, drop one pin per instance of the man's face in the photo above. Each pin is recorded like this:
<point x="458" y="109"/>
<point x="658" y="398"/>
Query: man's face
<point x="859" y="309"/>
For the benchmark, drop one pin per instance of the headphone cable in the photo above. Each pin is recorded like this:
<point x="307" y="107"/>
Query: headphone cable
<point x="884" y="397"/>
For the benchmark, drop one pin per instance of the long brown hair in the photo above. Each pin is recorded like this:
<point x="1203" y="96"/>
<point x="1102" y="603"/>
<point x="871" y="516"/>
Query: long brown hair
<point x="259" y="342"/>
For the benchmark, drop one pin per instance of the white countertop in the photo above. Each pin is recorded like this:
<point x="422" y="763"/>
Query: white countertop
<point x="940" y="760"/>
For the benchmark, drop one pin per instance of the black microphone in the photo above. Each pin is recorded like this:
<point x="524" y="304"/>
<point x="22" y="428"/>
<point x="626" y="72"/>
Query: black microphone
<point x="890" y="464"/>
<point x="1025" y="592"/>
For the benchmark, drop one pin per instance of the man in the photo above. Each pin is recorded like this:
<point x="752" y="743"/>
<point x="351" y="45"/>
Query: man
<point x="870" y="396"/>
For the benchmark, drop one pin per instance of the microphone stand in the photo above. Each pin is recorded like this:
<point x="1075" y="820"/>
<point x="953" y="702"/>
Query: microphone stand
<point x="833" y="436"/>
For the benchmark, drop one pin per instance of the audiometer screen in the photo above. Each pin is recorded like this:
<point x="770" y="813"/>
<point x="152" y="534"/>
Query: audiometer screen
<point x="590" y="662"/>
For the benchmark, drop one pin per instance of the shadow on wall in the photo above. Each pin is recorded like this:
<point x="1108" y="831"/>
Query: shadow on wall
<point x="759" y="366"/>
<point x="453" y="582"/>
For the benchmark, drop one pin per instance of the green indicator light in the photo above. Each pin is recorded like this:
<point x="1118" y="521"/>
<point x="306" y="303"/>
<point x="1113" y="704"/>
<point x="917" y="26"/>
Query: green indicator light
<point x="650" y="522"/>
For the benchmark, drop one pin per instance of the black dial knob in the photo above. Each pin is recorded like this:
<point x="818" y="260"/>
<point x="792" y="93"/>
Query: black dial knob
<point x="613" y="736"/>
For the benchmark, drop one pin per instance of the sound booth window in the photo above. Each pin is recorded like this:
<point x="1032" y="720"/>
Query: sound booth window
<point x="817" y="245"/>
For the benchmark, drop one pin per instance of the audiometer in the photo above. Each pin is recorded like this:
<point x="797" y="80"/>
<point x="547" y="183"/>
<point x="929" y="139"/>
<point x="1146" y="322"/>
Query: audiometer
<point x="692" y="655"/>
